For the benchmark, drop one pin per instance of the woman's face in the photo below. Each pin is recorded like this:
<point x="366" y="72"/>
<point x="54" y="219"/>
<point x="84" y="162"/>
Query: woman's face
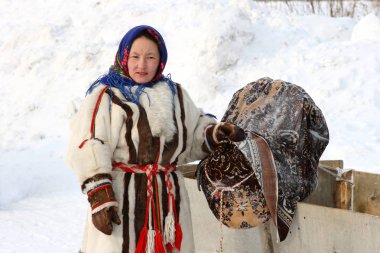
<point x="143" y="60"/>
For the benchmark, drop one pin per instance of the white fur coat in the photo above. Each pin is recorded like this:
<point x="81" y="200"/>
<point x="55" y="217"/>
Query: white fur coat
<point x="166" y="128"/>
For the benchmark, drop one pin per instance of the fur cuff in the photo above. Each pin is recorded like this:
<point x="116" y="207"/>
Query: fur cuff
<point x="99" y="192"/>
<point x="104" y="205"/>
<point x="101" y="197"/>
<point x="210" y="140"/>
<point x="92" y="182"/>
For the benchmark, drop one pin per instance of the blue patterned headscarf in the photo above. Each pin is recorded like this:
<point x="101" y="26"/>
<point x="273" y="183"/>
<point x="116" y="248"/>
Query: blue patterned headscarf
<point x="118" y="75"/>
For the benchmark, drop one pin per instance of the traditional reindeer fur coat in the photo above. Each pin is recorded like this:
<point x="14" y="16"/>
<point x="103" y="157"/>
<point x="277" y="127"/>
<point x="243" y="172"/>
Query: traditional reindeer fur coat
<point x="165" y="128"/>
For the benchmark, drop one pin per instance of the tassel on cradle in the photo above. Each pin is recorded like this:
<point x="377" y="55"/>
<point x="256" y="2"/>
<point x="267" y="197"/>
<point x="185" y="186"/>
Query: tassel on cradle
<point x="142" y="242"/>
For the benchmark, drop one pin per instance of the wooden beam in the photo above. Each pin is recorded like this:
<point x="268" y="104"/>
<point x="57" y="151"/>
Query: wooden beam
<point x="366" y="193"/>
<point x="344" y="191"/>
<point x="188" y="170"/>
<point x="332" y="163"/>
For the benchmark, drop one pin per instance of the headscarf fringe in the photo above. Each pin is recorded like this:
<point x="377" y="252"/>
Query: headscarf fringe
<point x="125" y="84"/>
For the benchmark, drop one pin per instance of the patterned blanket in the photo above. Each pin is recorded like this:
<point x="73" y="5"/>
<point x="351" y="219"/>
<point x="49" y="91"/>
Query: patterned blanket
<point x="297" y="134"/>
<point x="239" y="181"/>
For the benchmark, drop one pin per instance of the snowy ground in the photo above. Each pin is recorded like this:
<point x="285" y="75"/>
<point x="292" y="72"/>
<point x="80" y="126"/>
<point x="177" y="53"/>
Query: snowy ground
<point x="52" y="50"/>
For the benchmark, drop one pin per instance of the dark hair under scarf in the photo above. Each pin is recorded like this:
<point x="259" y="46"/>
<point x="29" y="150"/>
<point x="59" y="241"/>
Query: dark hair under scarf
<point x="118" y="75"/>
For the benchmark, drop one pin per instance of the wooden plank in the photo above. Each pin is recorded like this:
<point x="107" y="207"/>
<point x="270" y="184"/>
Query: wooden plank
<point x="332" y="163"/>
<point x="366" y="193"/>
<point x="317" y="229"/>
<point x="188" y="170"/>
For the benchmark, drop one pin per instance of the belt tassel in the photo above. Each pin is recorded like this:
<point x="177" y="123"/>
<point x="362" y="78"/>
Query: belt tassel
<point x="173" y="230"/>
<point x="150" y="238"/>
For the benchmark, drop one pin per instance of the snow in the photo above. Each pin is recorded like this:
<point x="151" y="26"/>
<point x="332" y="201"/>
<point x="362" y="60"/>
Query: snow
<point x="52" y="50"/>
<point x="367" y="29"/>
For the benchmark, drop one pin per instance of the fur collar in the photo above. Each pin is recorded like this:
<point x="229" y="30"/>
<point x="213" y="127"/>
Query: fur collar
<point x="158" y="102"/>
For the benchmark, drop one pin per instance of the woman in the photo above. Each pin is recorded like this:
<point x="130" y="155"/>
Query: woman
<point x="133" y="128"/>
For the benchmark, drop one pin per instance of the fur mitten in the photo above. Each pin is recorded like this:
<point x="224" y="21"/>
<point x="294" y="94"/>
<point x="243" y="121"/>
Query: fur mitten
<point x="222" y="131"/>
<point x="102" y="200"/>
